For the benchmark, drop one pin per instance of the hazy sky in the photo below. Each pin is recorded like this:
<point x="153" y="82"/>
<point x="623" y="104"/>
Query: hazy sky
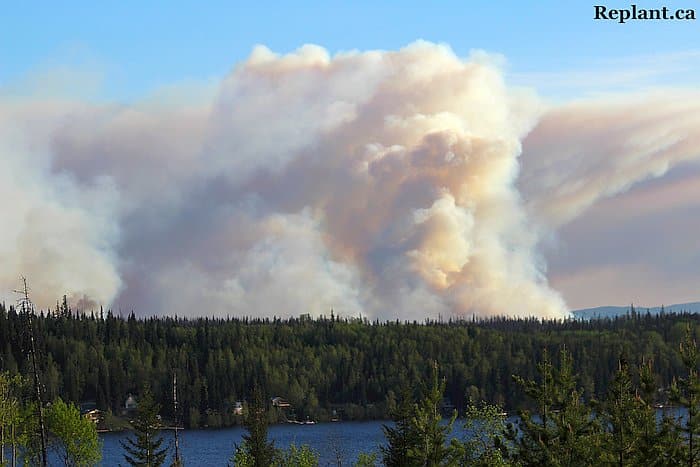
<point x="578" y="144"/>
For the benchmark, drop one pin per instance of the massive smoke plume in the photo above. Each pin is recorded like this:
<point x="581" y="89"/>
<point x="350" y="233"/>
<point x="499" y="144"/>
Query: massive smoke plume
<point x="380" y="183"/>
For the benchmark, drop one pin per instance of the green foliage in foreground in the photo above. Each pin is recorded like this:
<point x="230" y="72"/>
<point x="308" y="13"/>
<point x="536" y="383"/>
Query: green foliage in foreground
<point x="257" y="451"/>
<point x="559" y="427"/>
<point x="76" y="438"/>
<point x="486" y="444"/>
<point x="301" y="456"/>
<point x="593" y="403"/>
<point x="73" y="437"/>
<point x="419" y="436"/>
<point x="562" y="428"/>
<point x="10" y="413"/>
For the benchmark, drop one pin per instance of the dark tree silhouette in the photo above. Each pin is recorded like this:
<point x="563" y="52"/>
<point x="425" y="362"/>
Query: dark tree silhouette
<point x="145" y="447"/>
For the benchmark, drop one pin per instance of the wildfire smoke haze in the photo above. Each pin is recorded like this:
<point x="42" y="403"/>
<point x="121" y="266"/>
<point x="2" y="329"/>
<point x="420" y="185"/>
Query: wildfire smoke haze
<point x="387" y="183"/>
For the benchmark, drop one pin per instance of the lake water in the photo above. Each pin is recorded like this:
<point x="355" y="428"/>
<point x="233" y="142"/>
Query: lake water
<point x="215" y="447"/>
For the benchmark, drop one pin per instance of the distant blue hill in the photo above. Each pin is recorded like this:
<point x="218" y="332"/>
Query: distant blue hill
<point x="612" y="311"/>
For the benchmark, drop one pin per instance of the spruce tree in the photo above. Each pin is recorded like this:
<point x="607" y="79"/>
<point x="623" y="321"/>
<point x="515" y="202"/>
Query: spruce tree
<point x="650" y="449"/>
<point x="419" y="437"/>
<point x="401" y="437"/>
<point x="670" y="447"/>
<point x="432" y="449"/>
<point x="145" y="448"/>
<point x="686" y="393"/>
<point x="562" y="431"/>
<point x="622" y="413"/>
<point x="256" y="450"/>
<point x="536" y="433"/>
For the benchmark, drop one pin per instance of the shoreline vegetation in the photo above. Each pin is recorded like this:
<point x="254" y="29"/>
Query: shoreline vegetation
<point x="585" y="392"/>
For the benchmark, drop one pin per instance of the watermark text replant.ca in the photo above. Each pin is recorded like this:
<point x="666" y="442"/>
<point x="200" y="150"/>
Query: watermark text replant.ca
<point x="637" y="13"/>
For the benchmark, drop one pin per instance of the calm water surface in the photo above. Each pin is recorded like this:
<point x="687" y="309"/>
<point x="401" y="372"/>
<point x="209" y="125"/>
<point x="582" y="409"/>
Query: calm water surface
<point x="215" y="447"/>
<point x="346" y="439"/>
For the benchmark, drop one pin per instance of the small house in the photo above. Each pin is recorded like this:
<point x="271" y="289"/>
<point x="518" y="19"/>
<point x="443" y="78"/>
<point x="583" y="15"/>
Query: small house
<point x="95" y="416"/>
<point x="130" y="403"/>
<point x="281" y="403"/>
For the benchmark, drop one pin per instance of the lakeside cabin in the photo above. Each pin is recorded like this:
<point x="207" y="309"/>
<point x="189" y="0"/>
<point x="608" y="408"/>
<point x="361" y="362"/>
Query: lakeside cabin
<point x="280" y="403"/>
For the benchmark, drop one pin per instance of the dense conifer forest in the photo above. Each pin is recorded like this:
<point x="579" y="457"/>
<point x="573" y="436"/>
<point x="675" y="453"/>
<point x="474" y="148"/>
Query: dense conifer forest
<point x="347" y="367"/>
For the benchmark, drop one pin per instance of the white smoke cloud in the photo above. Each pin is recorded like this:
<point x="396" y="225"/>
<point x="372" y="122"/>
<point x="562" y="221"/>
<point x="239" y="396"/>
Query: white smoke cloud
<point x="54" y="231"/>
<point x="380" y="183"/>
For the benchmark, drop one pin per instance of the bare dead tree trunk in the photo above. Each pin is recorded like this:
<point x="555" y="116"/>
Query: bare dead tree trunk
<point x="27" y="307"/>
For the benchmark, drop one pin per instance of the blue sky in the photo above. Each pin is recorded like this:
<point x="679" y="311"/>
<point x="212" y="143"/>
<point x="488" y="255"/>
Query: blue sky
<point x="136" y="47"/>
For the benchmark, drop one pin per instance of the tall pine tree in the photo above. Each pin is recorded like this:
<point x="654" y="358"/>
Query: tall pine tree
<point x="622" y="413"/>
<point x="432" y="449"/>
<point x="145" y="448"/>
<point x="256" y="450"/>
<point x="562" y="431"/>
<point x="686" y="393"/>
<point x="402" y="436"/>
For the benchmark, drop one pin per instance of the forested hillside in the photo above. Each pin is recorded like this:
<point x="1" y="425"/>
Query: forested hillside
<point x="352" y="366"/>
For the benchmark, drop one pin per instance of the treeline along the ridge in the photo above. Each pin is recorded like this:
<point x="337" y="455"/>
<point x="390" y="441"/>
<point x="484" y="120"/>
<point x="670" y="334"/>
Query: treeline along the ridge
<point x="323" y="367"/>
